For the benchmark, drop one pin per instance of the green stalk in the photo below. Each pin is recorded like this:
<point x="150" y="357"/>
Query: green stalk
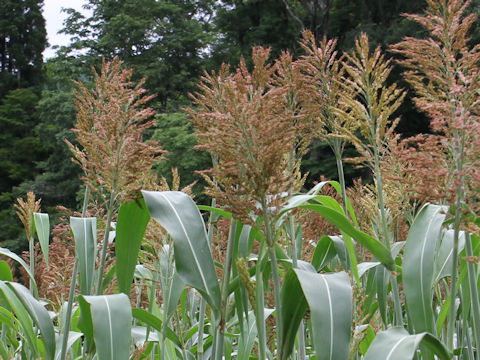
<point x="203" y="304"/>
<point x="225" y="285"/>
<point x="396" y="295"/>
<point x="336" y="146"/>
<point x="201" y="321"/>
<point x="274" y="268"/>
<point x="260" y="306"/>
<point x="301" y="329"/>
<point x="105" y="242"/>
<point x="31" y="249"/>
<point x="73" y="284"/>
<point x="474" y="298"/>
<point x="459" y="157"/>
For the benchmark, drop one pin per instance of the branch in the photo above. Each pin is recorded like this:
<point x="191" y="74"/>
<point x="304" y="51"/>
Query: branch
<point x="292" y="14"/>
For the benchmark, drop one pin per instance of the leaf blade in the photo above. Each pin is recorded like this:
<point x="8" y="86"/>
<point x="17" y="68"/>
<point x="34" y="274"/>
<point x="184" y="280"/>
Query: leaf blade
<point x="193" y="258"/>
<point x="419" y="264"/>
<point x="111" y="317"/>
<point x="132" y="221"/>
<point x="42" y="225"/>
<point x="85" y="234"/>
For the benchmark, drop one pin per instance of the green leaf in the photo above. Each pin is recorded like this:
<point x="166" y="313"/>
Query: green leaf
<point x="5" y="271"/>
<point x="179" y="215"/>
<point x="397" y="344"/>
<point x="382" y="278"/>
<point x="40" y="316"/>
<point x="324" y="252"/>
<point x="248" y="336"/>
<point x="329" y="298"/>
<point x="153" y="321"/>
<point x="338" y="219"/>
<point x="73" y="336"/>
<point x="85" y="323"/>
<point x="132" y="221"/>
<point x="418" y="266"/>
<point x="21" y="314"/>
<point x="365" y="266"/>
<point x="218" y="211"/>
<point x="42" y="224"/>
<point x="12" y="255"/>
<point x="443" y="262"/>
<point x="293" y="307"/>
<point x="85" y="234"/>
<point x="111" y="317"/>
<point x="175" y="290"/>
<point x="341" y="251"/>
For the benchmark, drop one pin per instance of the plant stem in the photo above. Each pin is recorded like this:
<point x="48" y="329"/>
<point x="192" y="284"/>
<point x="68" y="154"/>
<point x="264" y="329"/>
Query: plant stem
<point x="31" y="249"/>
<point x="336" y="146"/>
<point x="225" y="285"/>
<point x="203" y="304"/>
<point x="274" y="269"/>
<point x="458" y="156"/>
<point x="473" y="293"/>
<point x="301" y="329"/>
<point x="386" y="239"/>
<point x="260" y="306"/>
<point x="105" y="243"/>
<point x="73" y="284"/>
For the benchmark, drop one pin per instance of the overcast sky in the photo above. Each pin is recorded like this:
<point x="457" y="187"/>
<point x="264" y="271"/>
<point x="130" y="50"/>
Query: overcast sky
<point x="54" y="21"/>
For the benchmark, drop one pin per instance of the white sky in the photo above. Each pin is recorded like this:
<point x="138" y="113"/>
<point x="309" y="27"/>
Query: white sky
<point x="54" y="22"/>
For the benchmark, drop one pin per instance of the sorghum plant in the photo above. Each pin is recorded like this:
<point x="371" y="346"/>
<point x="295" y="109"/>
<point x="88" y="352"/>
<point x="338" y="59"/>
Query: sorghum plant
<point x="249" y="121"/>
<point x="111" y="120"/>
<point x="25" y="212"/>
<point x="444" y="71"/>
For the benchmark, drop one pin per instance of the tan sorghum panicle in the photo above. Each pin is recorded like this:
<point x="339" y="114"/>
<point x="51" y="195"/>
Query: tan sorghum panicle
<point x="367" y="104"/>
<point x="445" y="73"/>
<point x="111" y="119"/>
<point x="321" y="71"/>
<point x="246" y="280"/>
<point x="25" y="212"/>
<point x="242" y="119"/>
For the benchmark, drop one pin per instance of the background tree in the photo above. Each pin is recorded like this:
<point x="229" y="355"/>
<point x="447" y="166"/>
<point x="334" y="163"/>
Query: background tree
<point x="22" y="40"/>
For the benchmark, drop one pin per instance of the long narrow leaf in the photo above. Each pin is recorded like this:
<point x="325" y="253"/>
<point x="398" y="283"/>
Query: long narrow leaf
<point x="13" y="256"/>
<point x="40" y="316"/>
<point x="177" y="213"/>
<point x="111" y="317"/>
<point x="16" y="306"/>
<point x="132" y="221"/>
<point x="338" y="219"/>
<point x="153" y="321"/>
<point x="443" y="262"/>
<point x="324" y="252"/>
<point x="42" y="224"/>
<point x="293" y="307"/>
<point x="5" y="271"/>
<point x="397" y="344"/>
<point x="73" y="336"/>
<point x="329" y="298"/>
<point x="247" y="338"/>
<point x="85" y="234"/>
<point x="418" y="266"/>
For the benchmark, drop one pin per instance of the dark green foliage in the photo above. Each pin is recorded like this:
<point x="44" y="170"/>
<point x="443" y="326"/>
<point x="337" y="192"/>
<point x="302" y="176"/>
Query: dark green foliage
<point x="244" y="24"/>
<point x="175" y="133"/>
<point x="164" y="41"/>
<point x="320" y="163"/>
<point x="19" y="147"/>
<point x="59" y="178"/>
<point x="20" y="150"/>
<point x="22" y="40"/>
